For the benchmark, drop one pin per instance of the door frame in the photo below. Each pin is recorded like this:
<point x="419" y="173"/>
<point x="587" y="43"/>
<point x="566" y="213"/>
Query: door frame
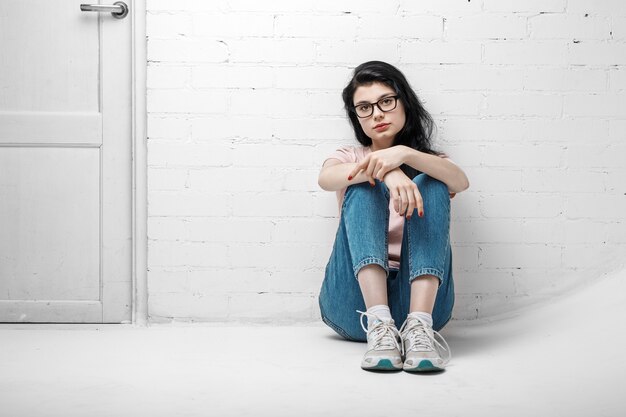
<point x="139" y="165"/>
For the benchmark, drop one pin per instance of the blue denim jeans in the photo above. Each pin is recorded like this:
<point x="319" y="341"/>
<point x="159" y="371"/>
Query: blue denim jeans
<point x="362" y="240"/>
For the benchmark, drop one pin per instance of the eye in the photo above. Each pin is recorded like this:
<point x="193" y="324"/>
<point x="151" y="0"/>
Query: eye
<point x="386" y="101"/>
<point x="363" y="107"/>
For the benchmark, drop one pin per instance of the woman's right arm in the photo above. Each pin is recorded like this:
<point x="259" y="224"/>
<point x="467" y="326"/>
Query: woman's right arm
<point x="334" y="175"/>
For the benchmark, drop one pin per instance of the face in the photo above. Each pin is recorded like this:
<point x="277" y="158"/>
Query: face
<point x="381" y="127"/>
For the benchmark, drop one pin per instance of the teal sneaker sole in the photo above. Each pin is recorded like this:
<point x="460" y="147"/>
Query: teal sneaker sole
<point x="383" y="365"/>
<point x="424" y="366"/>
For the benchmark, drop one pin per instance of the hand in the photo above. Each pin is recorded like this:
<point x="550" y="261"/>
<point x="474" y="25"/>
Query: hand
<point x="377" y="164"/>
<point x="406" y="197"/>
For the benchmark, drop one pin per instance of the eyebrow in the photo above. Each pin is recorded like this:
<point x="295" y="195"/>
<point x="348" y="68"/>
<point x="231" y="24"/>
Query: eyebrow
<point x="379" y="98"/>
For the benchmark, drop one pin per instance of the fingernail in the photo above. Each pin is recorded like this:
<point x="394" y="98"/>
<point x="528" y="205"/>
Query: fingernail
<point x="350" y="178"/>
<point x="408" y="217"/>
<point x="372" y="184"/>
<point x="421" y="214"/>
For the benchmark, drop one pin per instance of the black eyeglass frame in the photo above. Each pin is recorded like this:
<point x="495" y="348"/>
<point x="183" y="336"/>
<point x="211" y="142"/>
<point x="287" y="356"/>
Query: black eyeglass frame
<point x="377" y="104"/>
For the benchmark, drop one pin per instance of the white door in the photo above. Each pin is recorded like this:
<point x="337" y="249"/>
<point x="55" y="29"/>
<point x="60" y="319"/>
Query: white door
<point x="65" y="163"/>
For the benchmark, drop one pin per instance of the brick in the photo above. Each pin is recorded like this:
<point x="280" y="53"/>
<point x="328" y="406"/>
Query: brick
<point x="272" y="50"/>
<point x="521" y="206"/>
<point x="231" y="76"/>
<point x="440" y="7"/>
<point x="317" y="230"/>
<point x="228" y="280"/>
<point x="305" y="130"/>
<point x="168" y="76"/>
<point x="610" y="7"/>
<point x="544" y="231"/>
<point x="227" y="230"/>
<point x="595" y="156"/>
<point x="596" y="53"/>
<point x="453" y="104"/>
<point x="164" y="253"/>
<point x="558" y="79"/>
<point x="478" y="231"/>
<point x="263" y="306"/>
<point x="617" y="78"/>
<point x="270" y="102"/>
<point x="325" y="204"/>
<point x="515" y="6"/>
<point x="296" y="280"/>
<point x="187" y="306"/>
<point x="175" y="203"/>
<point x="524" y="53"/>
<point x="343" y="26"/>
<point x="567" y="26"/>
<point x="353" y="52"/>
<point x="466" y="129"/>
<point x="269" y="204"/>
<point x="315" y="77"/>
<point x="528" y="155"/>
<point x="599" y="206"/>
<point x="186" y="50"/>
<point x="381" y="26"/>
<point x="484" y="283"/>
<point x="485" y="26"/>
<point x="187" y="101"/>
<point x="563" y="180"/>
<point x="585" y="231"/>
<point x="439" y="52"/>
<point x="520" y="256"/>
<point x="570" y="130"/>
<point x="168" y="127"/>
<point x="273" y="155"/>
<point x="466" y="205"/>
<point x="212" y="128"/>
<point x="236" y="179"/>
<point x="300" y="180"/>
<point x="465" y="258"/>
<point x="359" y="7"/>
<point x="167" y="25"/>
<point x="464" y="77"/>
<point x="232" y="25"/>
<point x="595" y="105"/>
<point x="160" y="179"/>
<point x="275" y="6"/>
<point x="173" y="154"/>
<point x="490" y="179"/>
<point x="167" y="228"/>
<point x="273" y="255"/>
<point x="545" y="105"/>
<point x="589" y="256"/>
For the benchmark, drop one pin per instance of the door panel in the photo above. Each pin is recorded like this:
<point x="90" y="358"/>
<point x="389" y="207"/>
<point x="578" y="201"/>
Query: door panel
<point x="65" y="163"/>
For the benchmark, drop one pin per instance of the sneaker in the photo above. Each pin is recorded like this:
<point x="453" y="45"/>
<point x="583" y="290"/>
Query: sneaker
<point x="383" y="345"/>
<point x="422" y="352"/>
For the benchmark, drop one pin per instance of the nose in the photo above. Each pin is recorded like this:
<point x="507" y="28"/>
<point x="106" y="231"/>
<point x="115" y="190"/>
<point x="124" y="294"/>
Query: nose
<point x="378" y="113"/>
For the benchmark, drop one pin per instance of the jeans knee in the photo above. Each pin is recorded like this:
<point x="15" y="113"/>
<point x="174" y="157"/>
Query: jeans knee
<point x="429" y="186"/>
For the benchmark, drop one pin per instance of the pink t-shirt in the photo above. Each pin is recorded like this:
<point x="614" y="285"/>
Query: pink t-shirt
<point x="396" y="222"/>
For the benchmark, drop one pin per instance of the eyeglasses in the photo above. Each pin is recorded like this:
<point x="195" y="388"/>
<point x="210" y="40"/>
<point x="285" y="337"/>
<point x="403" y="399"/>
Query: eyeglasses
<point x="385" y="104"/>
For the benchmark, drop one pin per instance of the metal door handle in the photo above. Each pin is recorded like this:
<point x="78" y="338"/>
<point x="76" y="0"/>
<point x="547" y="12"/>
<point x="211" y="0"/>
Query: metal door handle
<point x="119" y="9"/>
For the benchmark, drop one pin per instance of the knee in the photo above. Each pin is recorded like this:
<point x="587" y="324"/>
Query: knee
<point x="429" y="186"/>
<point x="365" y="192"/>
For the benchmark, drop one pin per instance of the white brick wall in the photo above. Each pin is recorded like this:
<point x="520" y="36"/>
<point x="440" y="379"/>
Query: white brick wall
<point x="244" y="104"/>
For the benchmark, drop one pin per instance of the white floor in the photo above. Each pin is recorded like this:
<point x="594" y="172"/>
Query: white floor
<point x="563" y="359"/>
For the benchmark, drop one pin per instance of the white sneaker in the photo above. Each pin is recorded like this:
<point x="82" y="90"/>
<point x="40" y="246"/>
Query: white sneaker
<point x="422" y="352"/>
<point x="383" y="345"/>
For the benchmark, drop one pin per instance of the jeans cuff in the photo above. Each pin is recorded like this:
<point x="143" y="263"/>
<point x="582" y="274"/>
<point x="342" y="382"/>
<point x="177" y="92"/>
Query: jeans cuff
<point x="370" y="261"/>
<point x="427" y="271"/>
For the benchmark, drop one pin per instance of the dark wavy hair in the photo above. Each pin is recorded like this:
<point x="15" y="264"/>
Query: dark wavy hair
<point x="419" y="126"/>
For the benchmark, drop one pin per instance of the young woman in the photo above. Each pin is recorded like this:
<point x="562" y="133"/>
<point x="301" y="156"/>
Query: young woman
<point x="391" y="260"/>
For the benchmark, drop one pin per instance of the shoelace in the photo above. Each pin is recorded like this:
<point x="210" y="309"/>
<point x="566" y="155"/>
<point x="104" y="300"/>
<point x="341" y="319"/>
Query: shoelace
<point x="422" y="337"/>
<point x="384" y="335"/>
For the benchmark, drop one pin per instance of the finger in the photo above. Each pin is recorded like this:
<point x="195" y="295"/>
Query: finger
<point x="381" y="171"/>
<point x="452" y="195"/>
<point x="377" y="170"/>
<point x="419" y="203"/>
<point x="396" y="199"/>
<point x="412" y="203"/>
<point x="370" y="168"/>
<point x="360" y="166"/>
<point x="404" y="203"/>
<point x="372" y="181"/>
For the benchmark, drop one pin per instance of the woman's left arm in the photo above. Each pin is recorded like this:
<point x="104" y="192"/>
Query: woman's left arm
<point x="377" y="164"/>
<point x="437" y="167"/>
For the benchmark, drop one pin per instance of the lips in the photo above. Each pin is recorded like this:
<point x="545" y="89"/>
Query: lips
<point x="381" y="126"/>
